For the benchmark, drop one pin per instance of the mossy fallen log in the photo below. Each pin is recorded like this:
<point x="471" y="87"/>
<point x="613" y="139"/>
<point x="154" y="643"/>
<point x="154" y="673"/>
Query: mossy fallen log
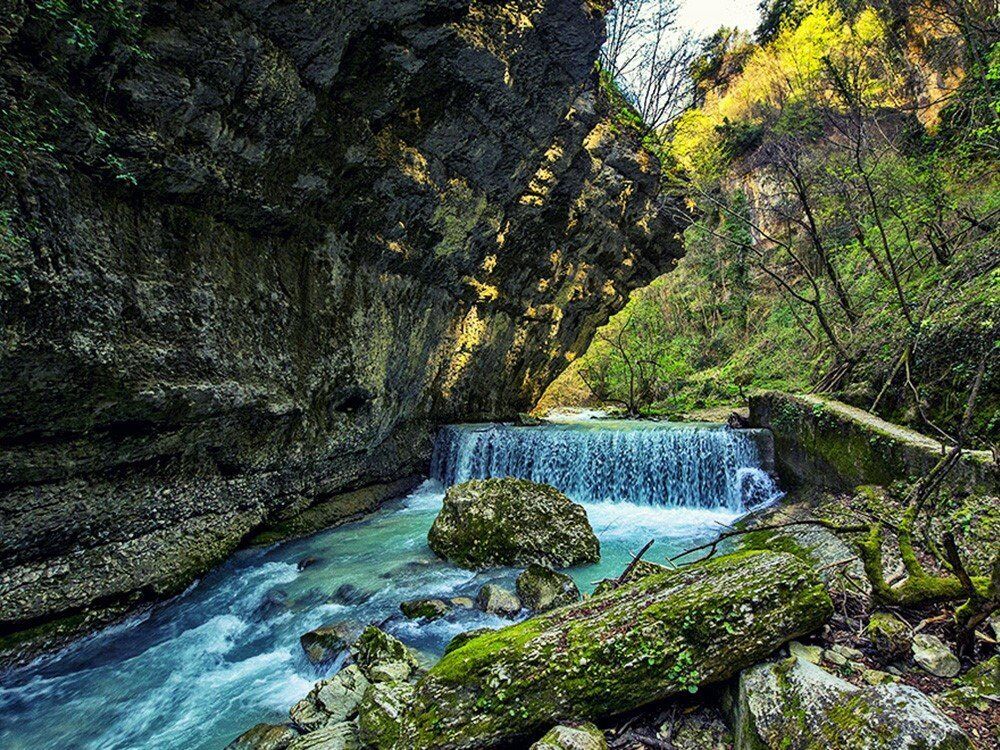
<point x="659" y="636"/>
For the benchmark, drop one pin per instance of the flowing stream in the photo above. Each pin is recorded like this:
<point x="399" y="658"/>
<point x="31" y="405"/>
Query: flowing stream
<point x="198" y="670"/>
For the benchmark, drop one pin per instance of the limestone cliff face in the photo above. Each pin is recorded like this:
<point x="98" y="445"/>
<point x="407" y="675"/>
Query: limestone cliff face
<point x="251" y="251"/>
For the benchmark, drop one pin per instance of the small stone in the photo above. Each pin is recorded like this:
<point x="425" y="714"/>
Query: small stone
<point x="462" y="638"/>
<point x="851" y="654"/>
<point x="811" y="654"/>
<point x="272" y="604"/>
<point x="497" y="600"/>
<point x="341" y="736"/>
<point x="424" y="609"/>
<point x="832" y="657"/>
<point x="307" y="562"/>
<point x="932" y="655"/>
<point x="876" y="677"/>
<point x="328" y="641"/>
<point x="541" y="588"/>
<point x="582" y="737"/>
<point x="894" y="670"/>
<point x="889" y="636"/>
<point x="265" y="737"/>
<point x="462" y="602"/>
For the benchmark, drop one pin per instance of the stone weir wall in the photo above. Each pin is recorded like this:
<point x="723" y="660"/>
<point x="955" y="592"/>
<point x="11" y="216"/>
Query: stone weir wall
<point x="251" y="251"/>
<point x="823" y="443"/>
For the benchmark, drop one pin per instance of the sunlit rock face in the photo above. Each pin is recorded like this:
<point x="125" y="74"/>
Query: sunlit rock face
<point x="253" y="250"/>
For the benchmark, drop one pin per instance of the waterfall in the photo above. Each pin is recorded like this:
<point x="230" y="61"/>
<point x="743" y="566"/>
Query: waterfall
<point x="637" y="462"/>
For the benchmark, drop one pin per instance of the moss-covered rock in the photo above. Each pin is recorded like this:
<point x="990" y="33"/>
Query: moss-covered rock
<point x="383" y="716"/>
<point x="933" y="655"/>
<point x="581" y="737"/>
<point x="491" y="522"/>
<point x="542" y="589"/>
<point x="795" y="705"/>
<point x="889" y="636"/>
<point x="424" y="609"/>
<point x="826" y="443"/>
<point x="978" y="687"/>
<point x="659" y="636"/>
<point x="376" y="648"/>
<point x="265" y="737"/>
<point x="462" y="638"/>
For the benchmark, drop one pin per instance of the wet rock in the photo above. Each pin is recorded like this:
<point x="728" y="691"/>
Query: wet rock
<point x="424" y="609"/>
<point x="889" y="636"/>
<point x="265" y="737"/>
<point x="376" y="648"/>
<point x="328" y="641"/>
<point x="272" y="604"/>
<point x="349" y="594"/>
<point x="541" y="589"/>
<point x="795" y="705"/>
<point x="307" y="562"/>
<point x="382" y="714"/>
<point x="341" y="736"/>
<point x="496" y="600"/>
<point x="462" y="602"/>
<point x="579" y="737"/>
<point x="330" y="701"/>
<point x="490" y="522"/>
<point x="932" y="655"/>
<point x="660" y="636"/>
<point x="462" y="638"/>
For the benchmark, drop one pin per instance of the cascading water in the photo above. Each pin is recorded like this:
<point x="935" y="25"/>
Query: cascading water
<point x="194" y="672"/>
<point x="643" y="463"/>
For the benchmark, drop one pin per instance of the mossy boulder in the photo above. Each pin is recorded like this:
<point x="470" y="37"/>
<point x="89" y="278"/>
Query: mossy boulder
<point x="377" y="654"/>
<point x="382" y="716"/>
<point x="581" y="737"/>
<point x="662" y="635"/>
<point x="795" y="705"/>
<point x="265" y="737"/>
<point x="541" y="589"/>
<point x="889" y="636"/>
<point x="978" y="687"/>
<point x="424" y="609"/>
<point x="491" y="522"/>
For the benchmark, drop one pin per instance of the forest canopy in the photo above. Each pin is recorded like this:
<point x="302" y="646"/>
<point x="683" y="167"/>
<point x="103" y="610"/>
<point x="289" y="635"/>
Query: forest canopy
<point x="840" y="191"/>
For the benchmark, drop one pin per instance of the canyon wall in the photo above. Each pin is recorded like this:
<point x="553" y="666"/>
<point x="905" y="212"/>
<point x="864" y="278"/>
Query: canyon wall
<point x="251" y="252"/>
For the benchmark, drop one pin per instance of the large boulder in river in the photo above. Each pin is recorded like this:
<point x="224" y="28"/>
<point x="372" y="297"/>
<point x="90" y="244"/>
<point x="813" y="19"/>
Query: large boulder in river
<point x="795" y="705"/>
<point x="265" y="737"/>
<point x="651" y="639"/>
<point x="489" y="522"/>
